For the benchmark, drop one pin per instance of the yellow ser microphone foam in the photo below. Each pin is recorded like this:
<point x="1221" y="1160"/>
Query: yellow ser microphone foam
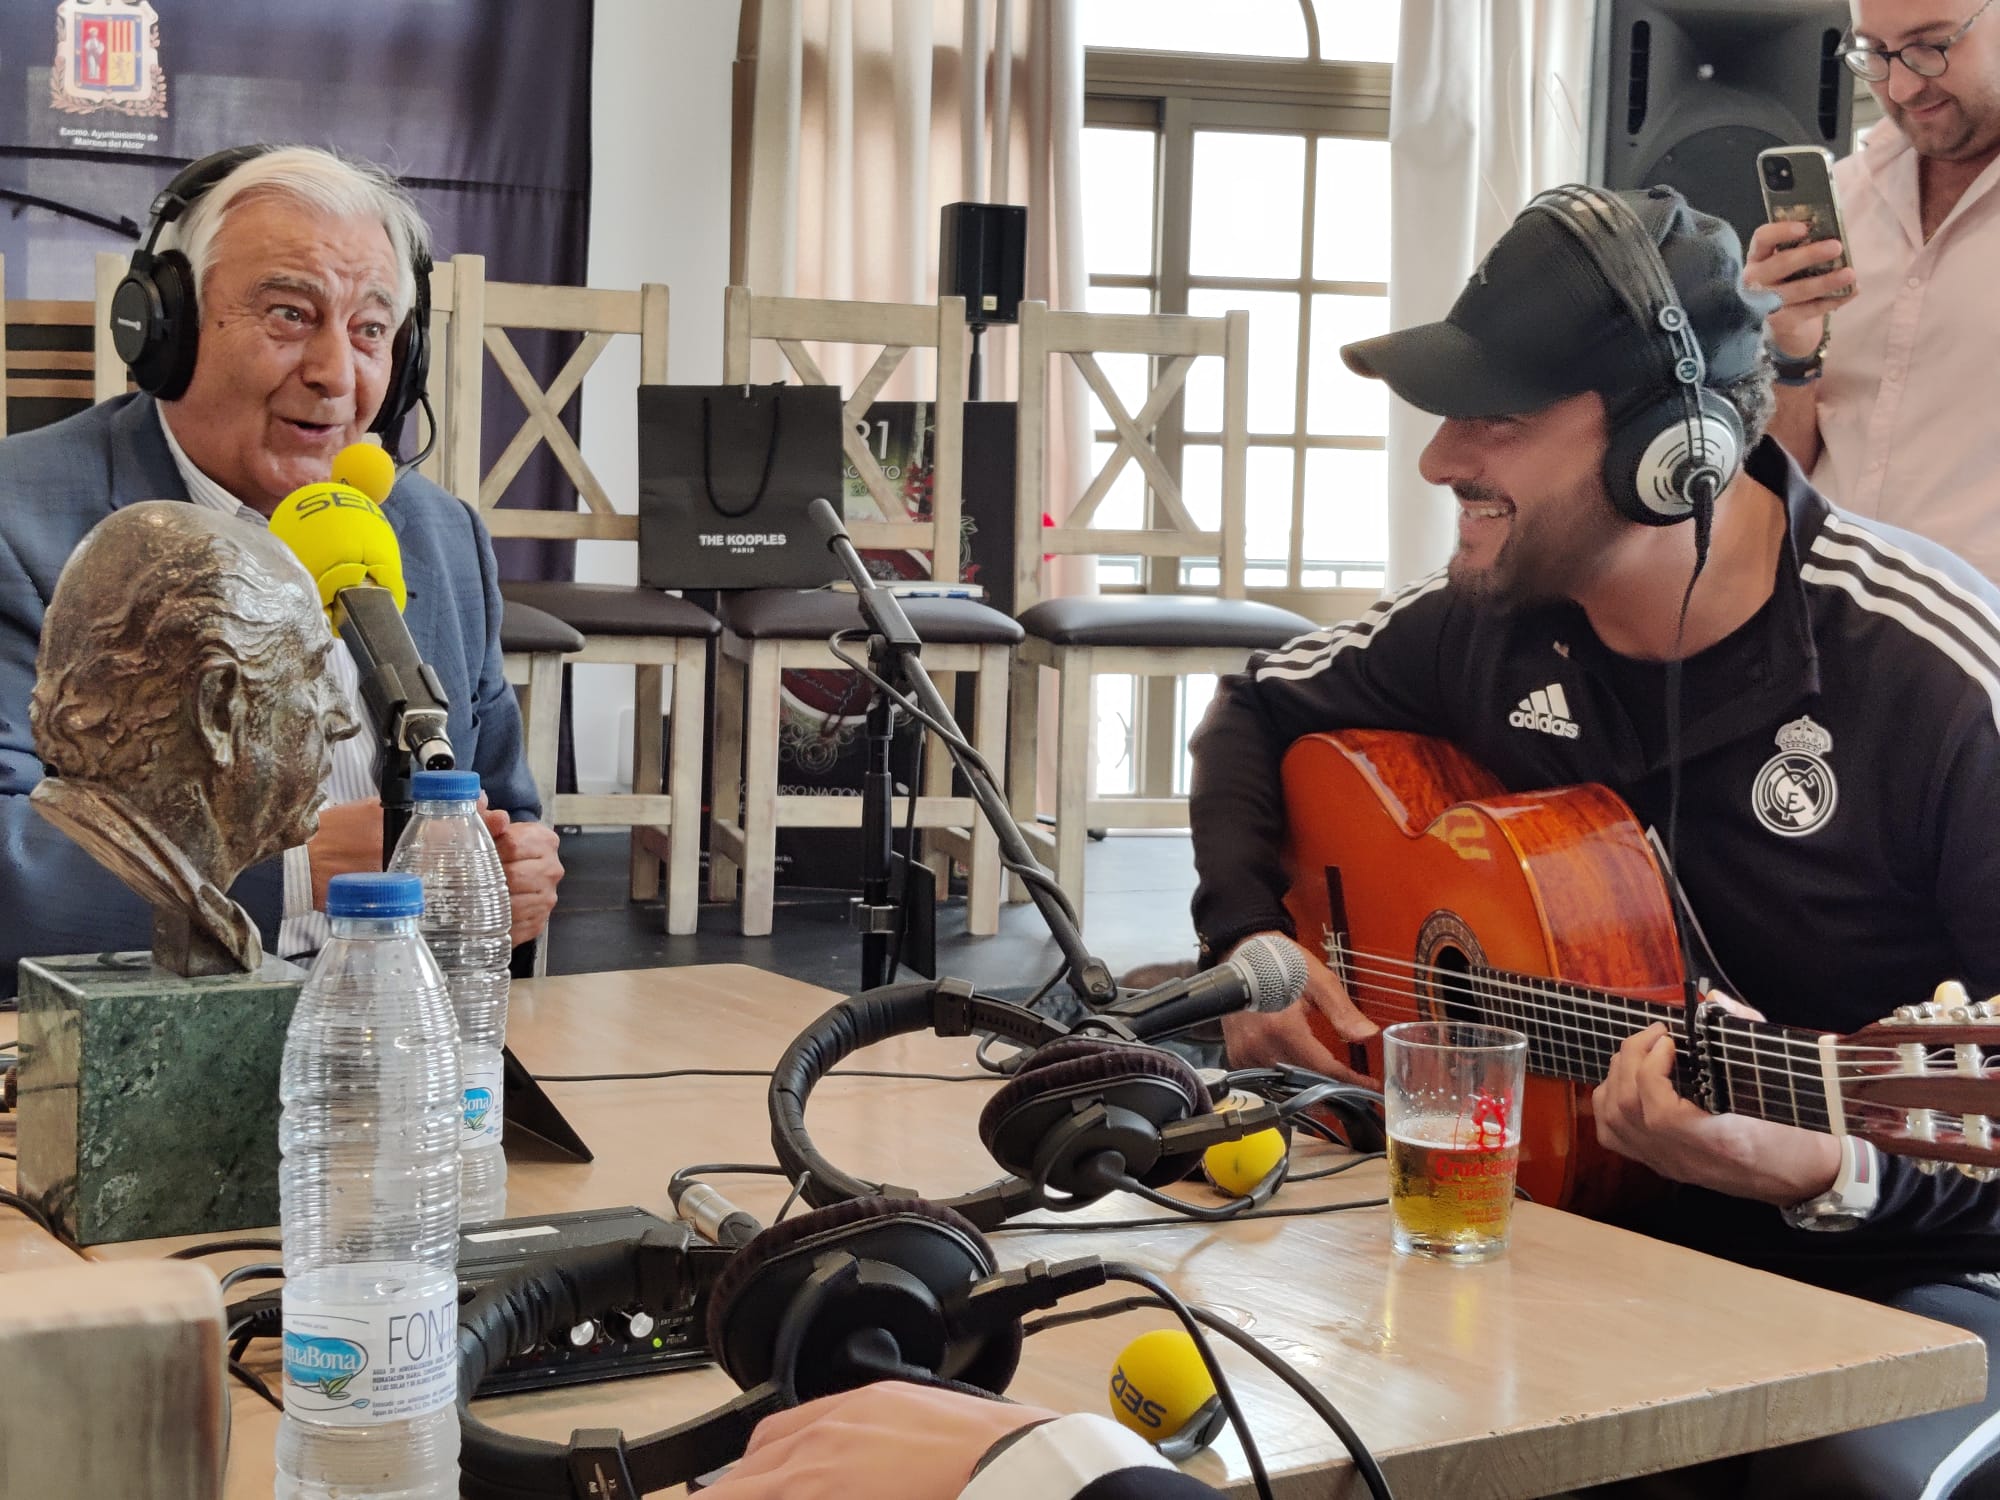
<point x="344" y="540"/>
<point x="368" y="468"/>
<point x="1162" y="1391"/>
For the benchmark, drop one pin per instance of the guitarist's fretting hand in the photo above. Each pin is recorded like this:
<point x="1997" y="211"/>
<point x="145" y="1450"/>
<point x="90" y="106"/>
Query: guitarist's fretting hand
<point x="1253" y="1040"/>
<point x="1641" y="1115"/>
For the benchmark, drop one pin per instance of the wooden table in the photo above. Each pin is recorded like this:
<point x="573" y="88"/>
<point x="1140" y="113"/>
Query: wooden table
<point x="1586" y="1354"/>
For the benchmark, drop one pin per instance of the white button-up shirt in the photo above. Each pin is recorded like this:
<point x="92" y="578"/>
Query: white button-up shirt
<point x="350" y="775"/>
<point x="1906" y="405"/>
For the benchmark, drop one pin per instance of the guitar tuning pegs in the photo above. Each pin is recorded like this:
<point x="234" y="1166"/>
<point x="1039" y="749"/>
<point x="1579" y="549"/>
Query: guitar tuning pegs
<point x="1927" y="1166"/>
<point x="1948" y="997"/>
<point x="1978" y="1174"/>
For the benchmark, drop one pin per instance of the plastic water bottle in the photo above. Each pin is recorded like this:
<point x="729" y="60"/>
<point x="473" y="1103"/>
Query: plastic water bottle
<point x="467" y="916"/>
<point x="368" y="1194"/>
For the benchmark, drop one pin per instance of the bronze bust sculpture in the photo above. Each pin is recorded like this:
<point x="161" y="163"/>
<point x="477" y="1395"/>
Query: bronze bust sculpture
<point x="184" y="711"/>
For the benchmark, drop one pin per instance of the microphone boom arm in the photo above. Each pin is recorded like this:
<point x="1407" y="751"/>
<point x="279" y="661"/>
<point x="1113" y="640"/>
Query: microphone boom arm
<point x="1089" y="977"/>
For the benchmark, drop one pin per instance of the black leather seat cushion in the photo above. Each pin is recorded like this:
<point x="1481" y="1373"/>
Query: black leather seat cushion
<point x="1163" y="620"/>
<point x="525" y="628"/>
<point x="815" y="614"/>
<point x="613" y="608"/>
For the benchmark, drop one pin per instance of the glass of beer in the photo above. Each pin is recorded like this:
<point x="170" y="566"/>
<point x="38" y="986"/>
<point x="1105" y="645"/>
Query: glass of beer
<point x="1453" y="1093"/>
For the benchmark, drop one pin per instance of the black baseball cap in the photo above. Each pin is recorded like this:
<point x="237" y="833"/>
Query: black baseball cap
<point x="1538" y="321"/>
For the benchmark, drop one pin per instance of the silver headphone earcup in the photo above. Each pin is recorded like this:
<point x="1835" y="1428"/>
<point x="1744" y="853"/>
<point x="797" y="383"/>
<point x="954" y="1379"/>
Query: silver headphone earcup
<point x="1679" y="457"/>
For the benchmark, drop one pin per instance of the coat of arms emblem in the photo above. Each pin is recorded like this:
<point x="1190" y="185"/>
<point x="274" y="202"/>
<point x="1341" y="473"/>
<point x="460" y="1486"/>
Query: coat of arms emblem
<point x="108" y="57"/>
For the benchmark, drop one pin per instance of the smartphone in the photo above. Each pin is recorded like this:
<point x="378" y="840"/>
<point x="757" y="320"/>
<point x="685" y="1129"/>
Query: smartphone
<point x="1798" y="189"/>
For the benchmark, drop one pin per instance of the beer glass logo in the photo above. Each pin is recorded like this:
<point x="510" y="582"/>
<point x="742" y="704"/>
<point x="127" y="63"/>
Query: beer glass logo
<point x="318" y="1362"/>
<point x="478" y="1105"/>
<point x="1488" y="1118"/>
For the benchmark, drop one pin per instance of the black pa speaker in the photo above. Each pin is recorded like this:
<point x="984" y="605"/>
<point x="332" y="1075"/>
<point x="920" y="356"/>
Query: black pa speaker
<point x="1687" y="92"/>
<point x="983" y="257"/>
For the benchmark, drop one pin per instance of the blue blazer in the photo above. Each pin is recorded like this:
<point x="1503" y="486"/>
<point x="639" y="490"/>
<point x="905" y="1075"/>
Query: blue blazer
<point x="59" y="481"/>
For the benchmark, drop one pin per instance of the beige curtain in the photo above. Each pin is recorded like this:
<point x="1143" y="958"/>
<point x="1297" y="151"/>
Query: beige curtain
<point x="1488" y="106"/>
<point x="858" y="120"/>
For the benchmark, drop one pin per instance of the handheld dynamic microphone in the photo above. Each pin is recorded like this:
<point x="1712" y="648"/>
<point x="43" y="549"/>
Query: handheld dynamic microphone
<point x="713" y="1216"/>
<point x="350" y="549"/>
<point x="1265" y="974"/>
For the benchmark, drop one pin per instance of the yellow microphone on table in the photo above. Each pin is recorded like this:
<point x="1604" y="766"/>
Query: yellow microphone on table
<point x="1162" y="1391"/>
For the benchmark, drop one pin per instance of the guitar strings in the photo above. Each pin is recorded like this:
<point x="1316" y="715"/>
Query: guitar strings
<point x="1745" y="1057"/>
<point x="1754" y="1072"/>
<point x="1483" y="987"/>
<point x="1758" y="1065"/>
<point x="1565" y="1019"/>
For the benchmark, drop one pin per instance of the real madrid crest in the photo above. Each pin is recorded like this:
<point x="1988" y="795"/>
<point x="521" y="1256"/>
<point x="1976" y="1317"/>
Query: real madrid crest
<point x="1795" y="793"/>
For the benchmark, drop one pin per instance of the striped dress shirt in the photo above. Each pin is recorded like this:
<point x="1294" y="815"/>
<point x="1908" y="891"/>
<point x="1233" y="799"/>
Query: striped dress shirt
<point x="350" y="775"/>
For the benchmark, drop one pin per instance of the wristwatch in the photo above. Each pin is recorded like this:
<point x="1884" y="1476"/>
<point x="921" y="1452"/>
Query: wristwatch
<point x="1804" y="371"/>
<point x="1857" y="1188"/>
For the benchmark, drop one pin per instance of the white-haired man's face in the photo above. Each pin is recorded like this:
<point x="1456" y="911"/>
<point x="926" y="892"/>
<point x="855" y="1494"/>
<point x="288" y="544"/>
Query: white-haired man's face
<point x="297" y="344"/>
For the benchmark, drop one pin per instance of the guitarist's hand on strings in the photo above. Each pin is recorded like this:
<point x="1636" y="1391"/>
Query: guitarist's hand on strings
<point x="1640" y="1114"/>
<point x="1253" y="1040"/>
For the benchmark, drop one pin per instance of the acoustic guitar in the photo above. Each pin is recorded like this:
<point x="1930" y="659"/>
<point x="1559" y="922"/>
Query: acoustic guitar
<point x="1438" y="895"/>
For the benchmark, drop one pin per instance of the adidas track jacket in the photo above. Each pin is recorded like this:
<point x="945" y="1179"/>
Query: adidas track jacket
<point x="1839" y="823"/>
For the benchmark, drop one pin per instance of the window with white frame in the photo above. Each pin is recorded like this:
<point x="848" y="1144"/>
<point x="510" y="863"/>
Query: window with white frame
<point x="1236" y="156"/>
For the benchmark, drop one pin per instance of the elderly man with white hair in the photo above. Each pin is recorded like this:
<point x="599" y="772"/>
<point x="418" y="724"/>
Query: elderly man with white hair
<point x="266" y="334"/>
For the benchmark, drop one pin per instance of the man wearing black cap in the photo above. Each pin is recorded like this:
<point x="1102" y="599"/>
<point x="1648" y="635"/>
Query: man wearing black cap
<point x="1824" y="897"/>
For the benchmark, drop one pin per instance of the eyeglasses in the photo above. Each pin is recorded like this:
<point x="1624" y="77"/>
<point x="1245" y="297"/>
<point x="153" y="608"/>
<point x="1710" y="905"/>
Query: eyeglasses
<point x="1925" y="59"/>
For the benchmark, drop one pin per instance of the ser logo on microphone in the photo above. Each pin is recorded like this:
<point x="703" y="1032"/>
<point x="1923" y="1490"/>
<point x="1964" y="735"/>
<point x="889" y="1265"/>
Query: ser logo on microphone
<point x="1129" y="1396"/>
<point x="335" y="497"/>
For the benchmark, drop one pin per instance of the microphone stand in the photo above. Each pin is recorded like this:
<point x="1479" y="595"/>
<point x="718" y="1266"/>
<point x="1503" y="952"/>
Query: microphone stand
<point x="409" y="716"/>
<point x="893" y="654"/>
<point x="409" y="721"/>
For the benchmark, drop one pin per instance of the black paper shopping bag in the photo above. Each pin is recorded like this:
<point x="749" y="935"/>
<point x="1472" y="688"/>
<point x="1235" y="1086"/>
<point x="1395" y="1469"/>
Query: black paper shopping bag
<point x="725" y="475"/>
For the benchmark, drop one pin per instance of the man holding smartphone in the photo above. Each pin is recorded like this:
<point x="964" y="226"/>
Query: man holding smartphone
<point x="1888" y="404"/>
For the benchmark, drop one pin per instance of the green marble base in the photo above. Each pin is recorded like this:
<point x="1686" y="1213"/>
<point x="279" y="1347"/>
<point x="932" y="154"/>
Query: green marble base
<point x="149" y="1102"/>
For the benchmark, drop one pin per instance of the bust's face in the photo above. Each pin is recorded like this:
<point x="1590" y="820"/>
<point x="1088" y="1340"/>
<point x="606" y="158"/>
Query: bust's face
<point x="284" y="747"/>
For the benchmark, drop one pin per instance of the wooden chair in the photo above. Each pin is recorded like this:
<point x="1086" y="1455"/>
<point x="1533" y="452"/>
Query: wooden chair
<point x="654" y="633"/>
<point x="533" y="643"/>
<point x="770" y="631"/>
<point x="46" y="363"/>
<point x="1146" y="635"/>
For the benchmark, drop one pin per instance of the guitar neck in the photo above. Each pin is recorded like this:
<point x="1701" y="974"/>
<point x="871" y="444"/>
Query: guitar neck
<point x="1736" y="1066"/>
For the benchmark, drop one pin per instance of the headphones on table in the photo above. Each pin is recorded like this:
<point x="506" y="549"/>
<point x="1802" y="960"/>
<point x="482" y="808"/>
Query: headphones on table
<point x="1677" y="448"/>
<point x="156" y="324"/>
<point x="1083" y="1115"/>
<point x="872" y="1289"/>
<point x="838" y="1298"/>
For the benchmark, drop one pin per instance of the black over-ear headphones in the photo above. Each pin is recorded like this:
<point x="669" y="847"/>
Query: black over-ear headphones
<point x="156" y="324"/>
<point x="1675" y="447"/>
<point x="1084" y="1115"/>
<point x="873" y="1289"/>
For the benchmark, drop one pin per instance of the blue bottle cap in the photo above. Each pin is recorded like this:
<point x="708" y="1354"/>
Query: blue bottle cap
<point x="375" y="895"/>
<point x="445" y="786"/>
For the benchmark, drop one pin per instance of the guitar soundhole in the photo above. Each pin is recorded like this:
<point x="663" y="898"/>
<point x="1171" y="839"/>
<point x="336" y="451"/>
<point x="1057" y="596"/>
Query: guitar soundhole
<point x="1447" y="953"/>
